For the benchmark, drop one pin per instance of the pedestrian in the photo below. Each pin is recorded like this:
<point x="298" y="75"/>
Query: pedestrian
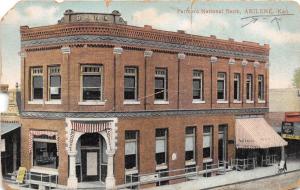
<point x="285" y="160"/>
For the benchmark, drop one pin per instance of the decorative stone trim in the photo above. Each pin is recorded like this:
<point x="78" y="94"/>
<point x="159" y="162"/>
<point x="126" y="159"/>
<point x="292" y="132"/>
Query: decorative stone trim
<point x="118" y="51"/>
<point x="244" y="62"/>
<point x="22" y="54"/>
<point x="181" y="56"/>
<point x="66" y="50"/>
<point x="231" y="61"/>
<point x="132" y="114"/>
<point x="213" y="60"/>
<point x="256" y="64"/>
<point x="148" y="53"/>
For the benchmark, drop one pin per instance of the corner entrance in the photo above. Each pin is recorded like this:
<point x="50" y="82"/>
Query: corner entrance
<point x="91" y="159"/>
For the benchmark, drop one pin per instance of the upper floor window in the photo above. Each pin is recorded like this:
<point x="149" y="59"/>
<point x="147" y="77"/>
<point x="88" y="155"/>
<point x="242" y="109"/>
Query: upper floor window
<point x="130" y="83"/>
<point x="54" y="78"/>
<point x="161" y="84"/>
<point x="91" y="87"/>
<point x="131" y="153"/>
<point x="249" y="87"/>
<point x="261" y="87"/>
<point x="37" y="83"/>
<point x="190" y="144"/>
<point x="207" y="141"/>
<point x="221" y="86"/>
<point x="197" y="85"/>
<point x="236" y="86"/>
<point x="161" y="146"/>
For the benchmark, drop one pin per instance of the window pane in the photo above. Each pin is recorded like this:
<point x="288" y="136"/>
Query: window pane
<point x="189" y="155"/>
<point x="91" y="94"/>
<point x="189" y="143"/>
<point x="160" y="158"/>
<point x="206" y="152"/>
<point x="38" y="93"/>
<point x="160" y="132"/>
<point x="196" y="84"/>
<point x="55" y="93"/>
<point x="129" y="81"/>
<point x="37" y="81"/>
<point x="54" y="81"/>
<point x="129" y="94"/>
<point x="159" y="94"/>
<point x="130" y="148"/>
<point x="196" y="94"/>
<point x="220" y="90"/>
<point x="130" y="135"/>
<point x="91" y="81"/>
<point x="45" y="154"/>
<point x="130" y="161"/>
<point x="235" y="90"/>
<point x="159" y="83"/>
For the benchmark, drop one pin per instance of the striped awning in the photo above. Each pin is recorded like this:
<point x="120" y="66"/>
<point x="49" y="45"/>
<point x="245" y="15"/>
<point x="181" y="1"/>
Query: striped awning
<point x="90" y="126"/>
<point x="34" y="133"/>
<point x="256" y="133"/>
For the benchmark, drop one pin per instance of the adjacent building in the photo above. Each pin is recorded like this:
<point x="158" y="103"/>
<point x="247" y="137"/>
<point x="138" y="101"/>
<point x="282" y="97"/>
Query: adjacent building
<point x="103" y="100"/>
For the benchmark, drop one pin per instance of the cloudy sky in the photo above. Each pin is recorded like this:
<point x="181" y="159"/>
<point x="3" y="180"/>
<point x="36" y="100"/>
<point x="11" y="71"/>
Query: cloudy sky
<point x="283" y="34"/>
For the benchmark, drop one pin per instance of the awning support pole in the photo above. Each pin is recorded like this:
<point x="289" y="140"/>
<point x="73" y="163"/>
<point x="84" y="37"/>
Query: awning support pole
<point x="282" y="153"/>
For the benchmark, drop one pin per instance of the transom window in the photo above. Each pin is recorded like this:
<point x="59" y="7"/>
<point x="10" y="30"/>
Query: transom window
<point x="197" y="85"/>
<point x="161" y="84"/>
<point x="190" y="144"/>
<point x="130" y="83"/>
<point x="131" y="158"/>
<point x="207" y="142"/>
<point x="221" y="86"/>
<point x="261" y="87"/>
<point x="161" y="146"/>
<point x="236" y="86"/>
<point x="37" y="83"/>
<point x="91" y="77"/>
<point x="249" y="87"/>
<point x="45" y="152"/>
<point x="54" y="78"/>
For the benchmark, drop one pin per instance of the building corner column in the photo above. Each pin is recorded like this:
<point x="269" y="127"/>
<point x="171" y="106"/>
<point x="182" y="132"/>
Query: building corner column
<point x="72" y="179"/>
<point x="110" y="181"/>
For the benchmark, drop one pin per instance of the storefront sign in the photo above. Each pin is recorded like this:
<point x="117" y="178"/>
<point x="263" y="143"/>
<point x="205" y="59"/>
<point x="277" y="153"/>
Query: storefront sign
<point x="293" y="137"/>
<point x="147" y="178"/>
<point x="21" y="175"/>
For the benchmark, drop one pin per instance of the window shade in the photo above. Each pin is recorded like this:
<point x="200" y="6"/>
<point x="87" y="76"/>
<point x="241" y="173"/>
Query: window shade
<point x="206" y="141"/>
<point x="160" y="145"/>
<point x="130" y="148"/>
<point x="189" y="143"/>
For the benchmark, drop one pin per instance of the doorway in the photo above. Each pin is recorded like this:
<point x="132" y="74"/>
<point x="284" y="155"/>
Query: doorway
<point x="222" y="144"/>
<point x="91" y="161"/>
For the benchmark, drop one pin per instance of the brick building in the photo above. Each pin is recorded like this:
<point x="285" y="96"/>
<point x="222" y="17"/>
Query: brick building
<point x="160" y="100"/>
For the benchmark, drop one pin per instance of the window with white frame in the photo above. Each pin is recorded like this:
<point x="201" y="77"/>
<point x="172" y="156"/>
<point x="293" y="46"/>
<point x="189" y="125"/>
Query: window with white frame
<point x="207" y="141"/>
<point x="249" y="87"/>
<point x="54" y="86"/>
<point x="161" y="146"/>
<point x="91" y="82"/>
<point x="190" y="144"/>
<point x="261" y="87"/>
<point x="197" y="85"/>
<point x="36" y="83"/>
<point x="131" y="150"/>
<point x="221" y="86"/>
<point x="131" y="83"/>
<point x="45" y="151"/>
<point x="236" y="86"/>
<point x="161" y="84"/>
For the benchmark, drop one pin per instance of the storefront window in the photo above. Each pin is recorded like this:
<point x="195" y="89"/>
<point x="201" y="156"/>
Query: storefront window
<point x="45" y="153"/>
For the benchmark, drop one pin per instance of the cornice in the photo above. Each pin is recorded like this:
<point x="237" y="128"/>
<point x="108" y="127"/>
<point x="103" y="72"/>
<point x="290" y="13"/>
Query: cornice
<point x="62" y="115"/>
<point x="146" y="44"/>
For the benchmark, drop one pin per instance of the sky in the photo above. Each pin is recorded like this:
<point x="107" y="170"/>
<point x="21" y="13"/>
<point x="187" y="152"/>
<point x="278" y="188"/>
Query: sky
<point x="222" y="19"/>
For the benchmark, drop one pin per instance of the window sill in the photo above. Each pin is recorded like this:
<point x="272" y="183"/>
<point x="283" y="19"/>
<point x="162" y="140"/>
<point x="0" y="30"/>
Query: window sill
<point x="36" y="102"/>
<point x="249" y="101"/>
<point x="161" y="167"/>
<point x="222" y="101"/>
<point x="53" y="102"/>
<point x="261" y="101"/>
<point x="206" y="160"/>
<point x="237" y="101"/>
<point x="190" y="162"/>
<point x="161" y="102"/>
<point x="91" y="103"/>
<point x="131" y="102"/>
<point x="131" y="171"/>
<point x="44" y="170"/>
<point x="195" y="101"/>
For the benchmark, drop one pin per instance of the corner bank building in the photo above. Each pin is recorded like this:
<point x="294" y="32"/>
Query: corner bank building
<point x="106" y="102"/>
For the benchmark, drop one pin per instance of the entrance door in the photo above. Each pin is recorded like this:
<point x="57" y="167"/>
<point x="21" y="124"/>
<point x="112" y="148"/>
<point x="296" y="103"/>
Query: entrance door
<point x="222" y="145"/>
<point x="90" y="165"/>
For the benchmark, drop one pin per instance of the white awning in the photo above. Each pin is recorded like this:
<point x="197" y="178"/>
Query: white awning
<point x="256" y="133"/>
<point x="8" y="127"/>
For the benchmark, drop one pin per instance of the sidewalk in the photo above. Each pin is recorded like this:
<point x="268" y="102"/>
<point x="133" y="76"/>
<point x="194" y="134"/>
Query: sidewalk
<point x="231" y="177"/>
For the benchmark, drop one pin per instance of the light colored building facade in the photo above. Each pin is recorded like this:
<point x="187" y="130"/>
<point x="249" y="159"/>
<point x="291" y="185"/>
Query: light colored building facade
<point x="103" y="100"/>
